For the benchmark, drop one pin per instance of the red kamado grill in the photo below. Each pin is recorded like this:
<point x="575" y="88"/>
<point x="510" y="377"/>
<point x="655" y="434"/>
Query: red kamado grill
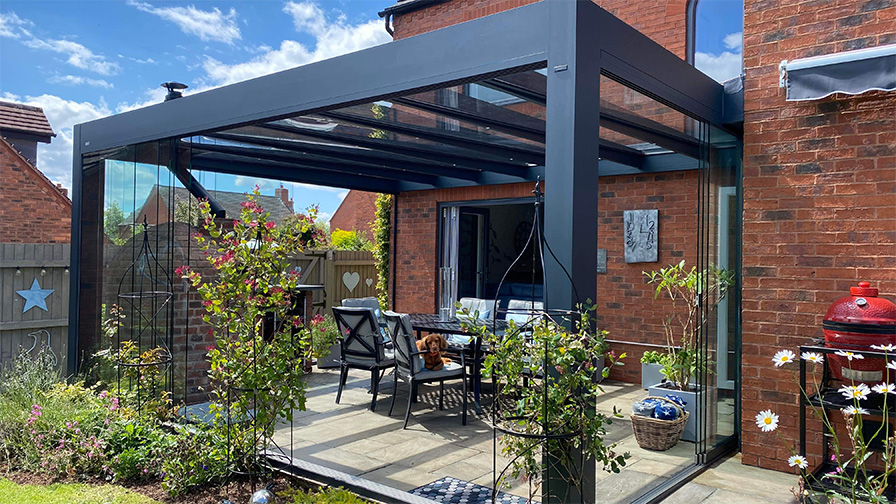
<point x="855" y="323"/>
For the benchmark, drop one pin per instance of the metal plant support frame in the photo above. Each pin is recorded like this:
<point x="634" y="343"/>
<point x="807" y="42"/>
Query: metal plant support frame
<point x="151" y="317"/>
<point x="264" y="446"/>
<point x="501" y="422"/>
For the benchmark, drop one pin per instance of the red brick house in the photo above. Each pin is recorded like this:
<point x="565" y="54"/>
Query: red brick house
<point x="32" y="208"/>
<point x="819" y="193"/>
<point x="355" y="213"/>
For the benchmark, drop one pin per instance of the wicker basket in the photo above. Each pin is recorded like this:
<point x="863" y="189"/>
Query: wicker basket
<point x="656" y="434"/>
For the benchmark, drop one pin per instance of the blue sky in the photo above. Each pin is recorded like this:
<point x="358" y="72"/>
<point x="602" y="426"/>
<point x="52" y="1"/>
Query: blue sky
<point x="81" y="60"/>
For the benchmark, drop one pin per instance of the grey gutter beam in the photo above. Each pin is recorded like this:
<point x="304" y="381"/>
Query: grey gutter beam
<point x="468" y="51"/>
<point x="511" y="123"/>
<point x="645" y="129"/>
<point x="292" y="173"/>
<point x="641" y="63"/>
<point x="408" y="149"/>
<point x="612" y="151"/>
<point x="365" y="156"/>
<point x="317" y="163"/>
<point x="507" y="152"/>
<point x="533" y="87"/>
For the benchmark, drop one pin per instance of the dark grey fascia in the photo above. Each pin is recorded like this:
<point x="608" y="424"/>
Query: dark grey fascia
<point x="466" y="51"/>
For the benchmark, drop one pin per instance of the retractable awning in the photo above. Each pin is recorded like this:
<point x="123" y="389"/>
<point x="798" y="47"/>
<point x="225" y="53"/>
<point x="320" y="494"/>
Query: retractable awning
<point x="850" y="72"/>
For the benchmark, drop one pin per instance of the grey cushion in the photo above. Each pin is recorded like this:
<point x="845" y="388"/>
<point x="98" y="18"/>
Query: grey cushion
<point x="480" y="305"/>
<point x="451" y="370"/>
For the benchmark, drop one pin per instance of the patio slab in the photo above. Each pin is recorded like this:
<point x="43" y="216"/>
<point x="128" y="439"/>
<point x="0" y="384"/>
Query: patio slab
<point x="372" y="445"/>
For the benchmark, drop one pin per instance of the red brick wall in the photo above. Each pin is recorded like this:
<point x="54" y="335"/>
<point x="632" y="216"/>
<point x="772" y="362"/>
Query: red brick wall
<point x="819" y="191"/>
<point x="622" y="294"/>
<point x="356" y="213"/>
<point x="661" y="20"/>
<point x="32" y="209"/>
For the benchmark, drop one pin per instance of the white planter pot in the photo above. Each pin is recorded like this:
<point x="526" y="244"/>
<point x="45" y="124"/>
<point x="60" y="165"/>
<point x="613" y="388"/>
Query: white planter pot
<point x="331" y="360"/>
<point x="690" y="397"/>
<point x="651" y="374"/>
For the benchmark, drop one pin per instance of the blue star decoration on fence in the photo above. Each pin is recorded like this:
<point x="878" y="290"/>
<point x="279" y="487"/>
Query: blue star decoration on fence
<point x="35" y="296"/>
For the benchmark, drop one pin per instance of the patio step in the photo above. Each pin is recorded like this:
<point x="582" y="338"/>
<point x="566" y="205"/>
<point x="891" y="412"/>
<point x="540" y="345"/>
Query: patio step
<point x="331" y="477"/>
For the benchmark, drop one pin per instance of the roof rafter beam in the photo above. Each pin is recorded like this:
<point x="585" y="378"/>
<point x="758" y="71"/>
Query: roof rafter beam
<point x="317" y="164"/>
<point x="483" y="113"/>
<point x="511" y="153"/>
<point x="292" y="173"/>
<point x="408" y="149"/>
<point x="353" y="154"/>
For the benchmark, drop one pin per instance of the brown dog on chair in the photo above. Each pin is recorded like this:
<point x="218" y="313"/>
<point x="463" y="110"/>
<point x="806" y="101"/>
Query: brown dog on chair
<point x="433" y="344"/>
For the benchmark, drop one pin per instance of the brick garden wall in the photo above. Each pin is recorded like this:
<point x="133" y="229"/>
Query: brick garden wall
<point x="32" y="209"/>
<point x="819" y="195"/>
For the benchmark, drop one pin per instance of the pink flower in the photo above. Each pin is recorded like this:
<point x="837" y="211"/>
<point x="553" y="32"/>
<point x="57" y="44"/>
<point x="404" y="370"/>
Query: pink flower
<point x="207" y="303"/>
<point x="209" y="348"/>
<point x="269" y="225"/>
<point x="253" y="224"/>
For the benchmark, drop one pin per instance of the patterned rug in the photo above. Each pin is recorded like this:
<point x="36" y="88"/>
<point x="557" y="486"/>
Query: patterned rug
<point x="456" y="491"/>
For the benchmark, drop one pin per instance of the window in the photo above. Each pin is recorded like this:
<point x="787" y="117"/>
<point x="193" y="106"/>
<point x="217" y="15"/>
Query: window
<point x="715" y="37"/>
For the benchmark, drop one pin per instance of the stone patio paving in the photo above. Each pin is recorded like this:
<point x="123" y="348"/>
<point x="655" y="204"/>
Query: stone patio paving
<point x="350" y="438"/>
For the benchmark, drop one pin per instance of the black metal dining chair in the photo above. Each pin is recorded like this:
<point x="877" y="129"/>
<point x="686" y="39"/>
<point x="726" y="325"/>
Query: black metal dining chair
<point x="362" y="347"/>
<point x="409" y="366"/>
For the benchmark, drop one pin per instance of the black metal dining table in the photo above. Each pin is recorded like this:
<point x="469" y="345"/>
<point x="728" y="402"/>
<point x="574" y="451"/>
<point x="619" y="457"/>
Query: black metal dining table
<point x="460" y="341"/>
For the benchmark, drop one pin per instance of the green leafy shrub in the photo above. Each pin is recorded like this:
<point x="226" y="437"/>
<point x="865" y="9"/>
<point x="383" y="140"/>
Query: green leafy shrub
<point x="349" y="240"/>
<point x="194" y="458"/>
<point x="322" y="496"/>
<point x="654" y="357"/>
<point x="136" y="449"/>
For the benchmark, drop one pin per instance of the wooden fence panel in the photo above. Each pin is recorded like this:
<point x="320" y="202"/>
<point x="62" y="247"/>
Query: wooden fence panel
<point x="20" y="265"/>
<point x="343" y="273"/>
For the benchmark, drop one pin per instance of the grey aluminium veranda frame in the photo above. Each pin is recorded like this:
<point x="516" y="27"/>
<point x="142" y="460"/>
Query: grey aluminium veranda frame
<point x="573" y="43"/>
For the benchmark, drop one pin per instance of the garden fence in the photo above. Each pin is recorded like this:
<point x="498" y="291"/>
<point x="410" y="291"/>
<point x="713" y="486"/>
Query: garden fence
<point x="343" y="273"/>
<point x="34" y="290"/>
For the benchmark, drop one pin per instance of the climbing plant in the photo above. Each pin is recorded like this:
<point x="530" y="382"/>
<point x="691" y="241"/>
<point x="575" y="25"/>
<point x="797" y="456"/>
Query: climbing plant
<point x="382" y="232"/>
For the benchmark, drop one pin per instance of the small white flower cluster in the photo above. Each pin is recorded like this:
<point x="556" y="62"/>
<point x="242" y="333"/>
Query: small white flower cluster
<point x="768" y="421"/>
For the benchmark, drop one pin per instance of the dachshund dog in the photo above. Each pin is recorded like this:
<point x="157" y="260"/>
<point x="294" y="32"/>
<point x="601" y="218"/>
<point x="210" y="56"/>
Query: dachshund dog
<point x="433" y="344"/>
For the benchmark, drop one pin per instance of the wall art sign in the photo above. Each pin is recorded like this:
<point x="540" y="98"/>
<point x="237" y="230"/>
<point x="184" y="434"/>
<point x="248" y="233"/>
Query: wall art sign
<point x="641" y="235"/>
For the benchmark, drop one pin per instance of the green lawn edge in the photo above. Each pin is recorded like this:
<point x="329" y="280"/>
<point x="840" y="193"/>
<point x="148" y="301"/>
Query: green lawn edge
<point x="69" y="493"/>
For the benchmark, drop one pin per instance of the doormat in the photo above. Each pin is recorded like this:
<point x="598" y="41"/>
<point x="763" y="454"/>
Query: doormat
<point x="456" y="491"/>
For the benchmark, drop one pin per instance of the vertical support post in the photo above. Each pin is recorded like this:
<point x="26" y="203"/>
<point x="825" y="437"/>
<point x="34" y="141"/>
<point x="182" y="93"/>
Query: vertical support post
<point x="573" y="111"/>
<point x="71" y="358"/>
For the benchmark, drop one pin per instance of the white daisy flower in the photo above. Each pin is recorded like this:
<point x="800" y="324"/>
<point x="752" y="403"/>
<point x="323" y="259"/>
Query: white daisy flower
<point x="852" y="410"/>
<point x="783" y="357"/>
<point x="767" y="421"/>
<point x="815" y="358"/>
<point x="859" y="391"/>
<point x="886" y="348"/>
<point x="891" y="364"/>
<point x="849" y="355"/>
<point x="884" y="388"/>
<point x="798" y="461"/>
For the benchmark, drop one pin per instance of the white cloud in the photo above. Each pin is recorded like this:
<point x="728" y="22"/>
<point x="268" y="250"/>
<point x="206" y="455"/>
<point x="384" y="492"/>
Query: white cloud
<point x="207" y="25"/>
<point x="78" y="55"/>
<point x="333" y="38"/>
<point x="307" y="17"/>
<point x="55" y="158"/>
<point x="342" y="195"/>
<point x="720" y="67"/>
<point x="324" y="216"/>
<point x="76" y="80"/>
<point x="10" y="24"/>
<point x="734" y="40"/>
<point x="249" y="183"/>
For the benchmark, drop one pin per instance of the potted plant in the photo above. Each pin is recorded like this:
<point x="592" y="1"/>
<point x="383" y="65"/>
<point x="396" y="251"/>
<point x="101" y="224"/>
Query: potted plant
<point x="547" y="384"/>
<point x="652" y="364"/>
<point x="324" y="337"/>
<point x="688" y="289"/>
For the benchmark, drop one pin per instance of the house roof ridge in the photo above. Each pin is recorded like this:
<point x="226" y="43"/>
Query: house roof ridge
<point x="56" y="188"/>
<point x="26" y="119"/>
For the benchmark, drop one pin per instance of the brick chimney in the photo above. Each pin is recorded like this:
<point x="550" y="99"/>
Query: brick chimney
<point x="64" y="190"/>
<point x="283" y="194"/>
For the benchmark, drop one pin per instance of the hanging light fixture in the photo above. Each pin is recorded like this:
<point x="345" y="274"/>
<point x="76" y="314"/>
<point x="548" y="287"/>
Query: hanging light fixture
<point x="18" y="271"/>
